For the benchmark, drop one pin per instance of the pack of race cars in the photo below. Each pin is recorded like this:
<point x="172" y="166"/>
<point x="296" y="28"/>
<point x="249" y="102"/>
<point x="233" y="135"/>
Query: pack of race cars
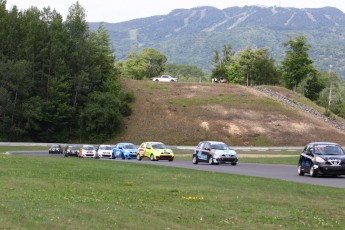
<point x="317" y="158"/>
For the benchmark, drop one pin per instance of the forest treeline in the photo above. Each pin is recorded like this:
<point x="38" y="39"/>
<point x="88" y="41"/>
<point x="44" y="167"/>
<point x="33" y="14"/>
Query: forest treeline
<point x="57" y="78"/>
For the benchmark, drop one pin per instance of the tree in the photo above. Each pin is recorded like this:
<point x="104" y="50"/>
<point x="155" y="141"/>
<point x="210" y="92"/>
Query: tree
<point x="221" y="61"/>
<point x="185" y="72"/>
<point x="147" y="64"/>
<point x="296" y="65"/>
<point x="155" y="61"/>
<point x="314" y="84"/>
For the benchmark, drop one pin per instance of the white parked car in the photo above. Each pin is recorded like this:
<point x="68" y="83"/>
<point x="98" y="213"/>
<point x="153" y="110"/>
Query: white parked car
<point x="104" y="151"/>
<point x="165" y="78"/>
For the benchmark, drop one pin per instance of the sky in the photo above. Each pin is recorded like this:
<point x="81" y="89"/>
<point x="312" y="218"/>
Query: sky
<point x="123" y="10"/>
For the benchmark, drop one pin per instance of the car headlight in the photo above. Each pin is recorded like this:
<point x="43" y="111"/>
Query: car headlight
<point x="319" y="160"/>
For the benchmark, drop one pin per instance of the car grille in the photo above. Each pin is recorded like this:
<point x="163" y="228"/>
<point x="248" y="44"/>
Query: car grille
<point x="335" y="162"/>
<point x="165" y="157"/>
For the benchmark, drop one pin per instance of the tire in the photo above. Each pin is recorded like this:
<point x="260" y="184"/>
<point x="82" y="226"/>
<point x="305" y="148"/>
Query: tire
<point x="123" y="156"/>
<point x="235" y="163"/>
<point x="171" y="159"/>
<point x="299" y="170"/>
<point x="139" y="157"/>
<point x="210" y="160"/>
<point x="195" y="160"/>
<point x="113" y="156"/>
<point x="157" y="80"/>
<point x="152" y="157"/>
<point x="312" y="171"/>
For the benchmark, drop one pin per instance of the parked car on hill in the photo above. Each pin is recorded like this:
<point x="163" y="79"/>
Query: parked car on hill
<point x="322" y="158"/>
<point x="55" y="149"/>
<point x="71" y="150"/>
<point x="125" y="151"/>
<point x="165" y="78"/>
<point x="214" y="152"/>
<point x="87" y="151"/>
<point x="154" y="151"/>
<point x="104" y="151"/>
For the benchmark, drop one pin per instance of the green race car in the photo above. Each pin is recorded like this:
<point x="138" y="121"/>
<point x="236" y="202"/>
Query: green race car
<point x="155" y="151"/>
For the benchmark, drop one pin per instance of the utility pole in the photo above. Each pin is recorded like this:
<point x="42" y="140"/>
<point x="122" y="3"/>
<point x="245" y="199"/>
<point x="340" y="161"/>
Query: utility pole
<point x="330" y="88"/>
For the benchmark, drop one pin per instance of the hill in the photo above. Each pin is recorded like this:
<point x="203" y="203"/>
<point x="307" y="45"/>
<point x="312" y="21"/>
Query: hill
<point x="186" y="113"/>
<point x="190" y="36"/>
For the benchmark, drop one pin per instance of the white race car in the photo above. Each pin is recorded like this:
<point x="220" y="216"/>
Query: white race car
<point x="104" y="151"/>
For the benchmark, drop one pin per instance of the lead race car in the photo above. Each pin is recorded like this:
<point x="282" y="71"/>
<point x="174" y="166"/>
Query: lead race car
<point x="322" y="158"/>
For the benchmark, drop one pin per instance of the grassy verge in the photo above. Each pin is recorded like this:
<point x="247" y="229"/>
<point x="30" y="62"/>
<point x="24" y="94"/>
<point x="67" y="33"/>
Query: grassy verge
<point x="73" y="193"/>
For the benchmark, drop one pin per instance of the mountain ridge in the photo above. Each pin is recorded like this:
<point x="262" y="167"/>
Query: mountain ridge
<point x="190" y="36"/>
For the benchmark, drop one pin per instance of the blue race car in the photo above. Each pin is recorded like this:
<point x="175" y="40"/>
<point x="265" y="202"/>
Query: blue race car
<point x="125" y="151"/>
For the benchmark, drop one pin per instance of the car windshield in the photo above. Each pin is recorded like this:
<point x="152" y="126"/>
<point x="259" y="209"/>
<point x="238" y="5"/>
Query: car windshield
<point x="328" y="150"/>
<point x="128" y="146"/>
<point x="73" y="147"/>
<point x="55" y="146"/>
<point x="219" y="146"/>
<point x="105" y="148"/>
<point x="158" y="146"/>
<point x="88" y="148"/>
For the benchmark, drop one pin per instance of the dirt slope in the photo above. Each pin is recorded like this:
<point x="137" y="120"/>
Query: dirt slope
<point x="185" y="113"/>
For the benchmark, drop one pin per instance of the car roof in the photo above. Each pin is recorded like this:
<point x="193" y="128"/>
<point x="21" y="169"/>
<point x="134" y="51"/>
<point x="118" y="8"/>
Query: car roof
<point x="124" y="143"/>
<point x="323" y="143"/>
<point x="214" y="142"/>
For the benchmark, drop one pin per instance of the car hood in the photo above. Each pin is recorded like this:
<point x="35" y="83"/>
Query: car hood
<point x="332" y="157"/>
<point x="131" y="150"/>
<point x="164" y="150"/>
<point x="224" y="152"/>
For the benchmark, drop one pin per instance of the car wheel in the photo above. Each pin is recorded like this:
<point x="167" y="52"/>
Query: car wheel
<point x="299" y="170"/>
<point x="123" y="156"/>
<point x="210" y="160"/>
<point x="139" y="157"/>
<point x="152" y="157"/>
<point x="157" y="80"/>
<point x="195" y="159"/>
<point x="312" y="171"/>
<point x="235" y="163"/>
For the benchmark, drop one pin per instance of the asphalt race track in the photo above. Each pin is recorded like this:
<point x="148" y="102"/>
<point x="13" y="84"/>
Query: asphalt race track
<point x="281" y="172"/>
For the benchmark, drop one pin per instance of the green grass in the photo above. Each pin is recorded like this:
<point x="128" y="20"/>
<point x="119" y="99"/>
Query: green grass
<point x="73" y="193"/>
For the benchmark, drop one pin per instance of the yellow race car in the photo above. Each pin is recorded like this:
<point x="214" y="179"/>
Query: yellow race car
<point x="154" y="151"/>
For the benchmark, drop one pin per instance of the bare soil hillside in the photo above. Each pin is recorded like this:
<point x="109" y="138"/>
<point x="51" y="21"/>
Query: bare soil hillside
<point x="186" y="113"/>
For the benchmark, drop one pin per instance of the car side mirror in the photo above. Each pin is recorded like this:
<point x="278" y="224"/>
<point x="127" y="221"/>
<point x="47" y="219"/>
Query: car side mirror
<point x="208" y="149"/>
